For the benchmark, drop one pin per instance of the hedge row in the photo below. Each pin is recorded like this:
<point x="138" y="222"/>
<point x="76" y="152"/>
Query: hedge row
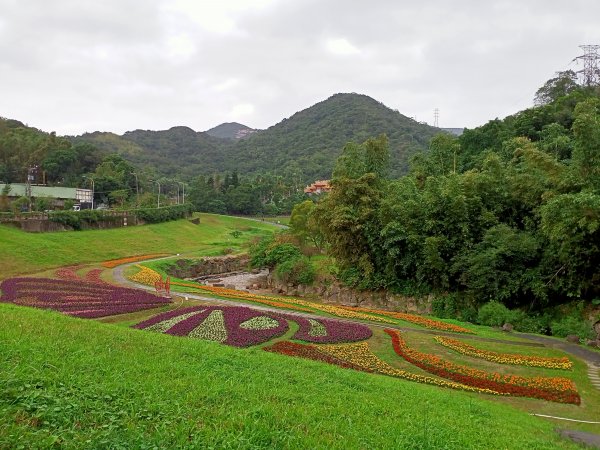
<point x="76" y="219"/>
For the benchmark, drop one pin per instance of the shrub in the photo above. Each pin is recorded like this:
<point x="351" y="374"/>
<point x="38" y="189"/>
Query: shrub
<point x="258" y="251"/>
<point x="494" y="314"/>
<point x="572" y="324"/>
<point x="296" y="271"/>
<point x="281" y="253"/>
<point x="445" y="307"/>
<point x="530" y="323"/>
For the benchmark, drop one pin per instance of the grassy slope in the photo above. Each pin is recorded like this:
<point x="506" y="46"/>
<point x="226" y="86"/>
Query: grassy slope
<point x="83" y="384"/>
<point x="22" y="252"/>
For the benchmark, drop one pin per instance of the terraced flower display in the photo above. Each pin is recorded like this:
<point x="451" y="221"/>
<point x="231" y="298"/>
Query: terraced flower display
<point x="77" y="297"/>
<point x="328" y="331"/>
<point x="416" y="319"/>
<point x="505" y="358"/>
<point x="360" y="357"/>
<point x="335" y="310"/>
<point x="232" y="325"/>
<point x="556" y="389"/>
<point x="241" y="326"/>
<point x="146" y="276"/>
<point x="117" y="262"/>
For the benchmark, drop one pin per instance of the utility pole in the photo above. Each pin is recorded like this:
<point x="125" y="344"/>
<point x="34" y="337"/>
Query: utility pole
<point x="436" y="117"/>
<point x="590" y="74"/>
<point x="92" y="180"/>
<point x="31" y="175"/>
<point x="158" y="196"/>
<point x="183" y="189"/>
<point x="137" y="190"/>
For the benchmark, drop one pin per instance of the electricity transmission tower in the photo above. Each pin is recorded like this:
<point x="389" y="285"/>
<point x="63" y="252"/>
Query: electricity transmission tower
<point x="590" y="74"/>
<point x="436" y="117"/>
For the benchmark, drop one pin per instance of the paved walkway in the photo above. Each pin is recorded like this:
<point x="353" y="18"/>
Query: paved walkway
<point x="589" y="356"/>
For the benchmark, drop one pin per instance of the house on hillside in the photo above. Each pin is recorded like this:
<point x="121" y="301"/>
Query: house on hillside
<point x="318" y="187"/>
<point x="58" y="195"/>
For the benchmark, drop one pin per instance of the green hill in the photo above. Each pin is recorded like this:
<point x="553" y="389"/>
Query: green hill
<point x="230" y="130"/>
<point x="73" y="383"/>
<point x="307" y="142"/>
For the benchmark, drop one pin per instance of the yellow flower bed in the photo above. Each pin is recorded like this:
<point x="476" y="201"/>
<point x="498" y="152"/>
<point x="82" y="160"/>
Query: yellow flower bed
<point x="284" y="302"/>
<point x="361" y="355"/>
<point x="505" y="358"/>
<point x="146" y="276"/>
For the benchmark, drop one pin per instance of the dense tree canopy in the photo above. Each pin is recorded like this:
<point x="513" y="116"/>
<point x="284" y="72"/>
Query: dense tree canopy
<point x="509" y="211"/>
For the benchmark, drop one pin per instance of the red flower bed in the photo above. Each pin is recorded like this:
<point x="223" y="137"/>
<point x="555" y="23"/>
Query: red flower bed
<point x="76" y="297"/>
<point x="560" y="390"/>
<point x="93" y="276"/>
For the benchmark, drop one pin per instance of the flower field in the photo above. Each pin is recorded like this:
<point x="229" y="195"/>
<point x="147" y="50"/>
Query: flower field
<point x="328" y="331"/>
<point x="232" y="325"/>
<point x="145" y="276"/>
<point x="555" y="389"/>
<point x="303" y="305"/>
<point x="77" y="298"/>
<point x="242" y="327"/>
<point x="360" y="357"/>
<point x="416" y="319"/>
<point x="504" y="358"/>
<point x="117" y="262"/>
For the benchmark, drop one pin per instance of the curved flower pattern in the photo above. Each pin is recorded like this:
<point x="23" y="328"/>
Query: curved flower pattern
<point x="416" y="319"/>
<point x="226" y="324"/>
<point x="77" y="297"/>
<point x="117" y="262"/>
<point x="555" y="389"/>
<point x="505" y="358"/>
<point x="359" y="357"/>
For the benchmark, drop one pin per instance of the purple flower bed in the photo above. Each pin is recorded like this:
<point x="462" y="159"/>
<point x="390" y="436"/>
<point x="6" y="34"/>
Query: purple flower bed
<point x="77" y="298"/>
<point x="234" y="316"/>
<point x="338" y="331"/>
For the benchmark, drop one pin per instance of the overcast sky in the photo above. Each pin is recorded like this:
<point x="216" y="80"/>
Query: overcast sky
<point x="73" y="66"/>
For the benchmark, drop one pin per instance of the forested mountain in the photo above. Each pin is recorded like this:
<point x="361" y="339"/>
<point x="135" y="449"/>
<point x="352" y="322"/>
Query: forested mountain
<point x="509" y="211"/>
<point x="308" y="142"/>
<point x="58" y="159"/>
<point x="178" y="151"/>
<point x="231" y="130"/>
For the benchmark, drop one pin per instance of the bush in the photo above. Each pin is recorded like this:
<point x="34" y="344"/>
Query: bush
<point x="494" y="314"/>
<point x="281" y="253"/>
<point x="572" y="324"/>
<point x="530" y="324"/>
<point x="296" y="271"/>
<point x="258" y="251"/>
<point x="445" y="307"/>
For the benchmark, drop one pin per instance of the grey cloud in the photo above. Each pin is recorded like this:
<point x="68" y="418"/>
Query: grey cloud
<point x="75" y="66"/>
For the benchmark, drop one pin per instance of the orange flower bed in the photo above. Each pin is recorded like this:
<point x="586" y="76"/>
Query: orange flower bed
<point x="235" y="294"/>
<point x="360" y="357"/>
<point x="555" y="389"/>
<point x="416" y="319"/>
<point x="505" y="358"/>
<point x="282" y="302"/>
<point x="117" y="262"/>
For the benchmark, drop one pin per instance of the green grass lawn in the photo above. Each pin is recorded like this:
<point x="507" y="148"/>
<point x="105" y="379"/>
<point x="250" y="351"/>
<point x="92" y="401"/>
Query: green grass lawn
<point x="22" y="253"/>
<point x="82" y="384"/>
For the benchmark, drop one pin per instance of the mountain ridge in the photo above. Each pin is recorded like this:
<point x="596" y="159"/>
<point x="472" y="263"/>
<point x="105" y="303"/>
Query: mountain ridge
<point x="306" y="143"/>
